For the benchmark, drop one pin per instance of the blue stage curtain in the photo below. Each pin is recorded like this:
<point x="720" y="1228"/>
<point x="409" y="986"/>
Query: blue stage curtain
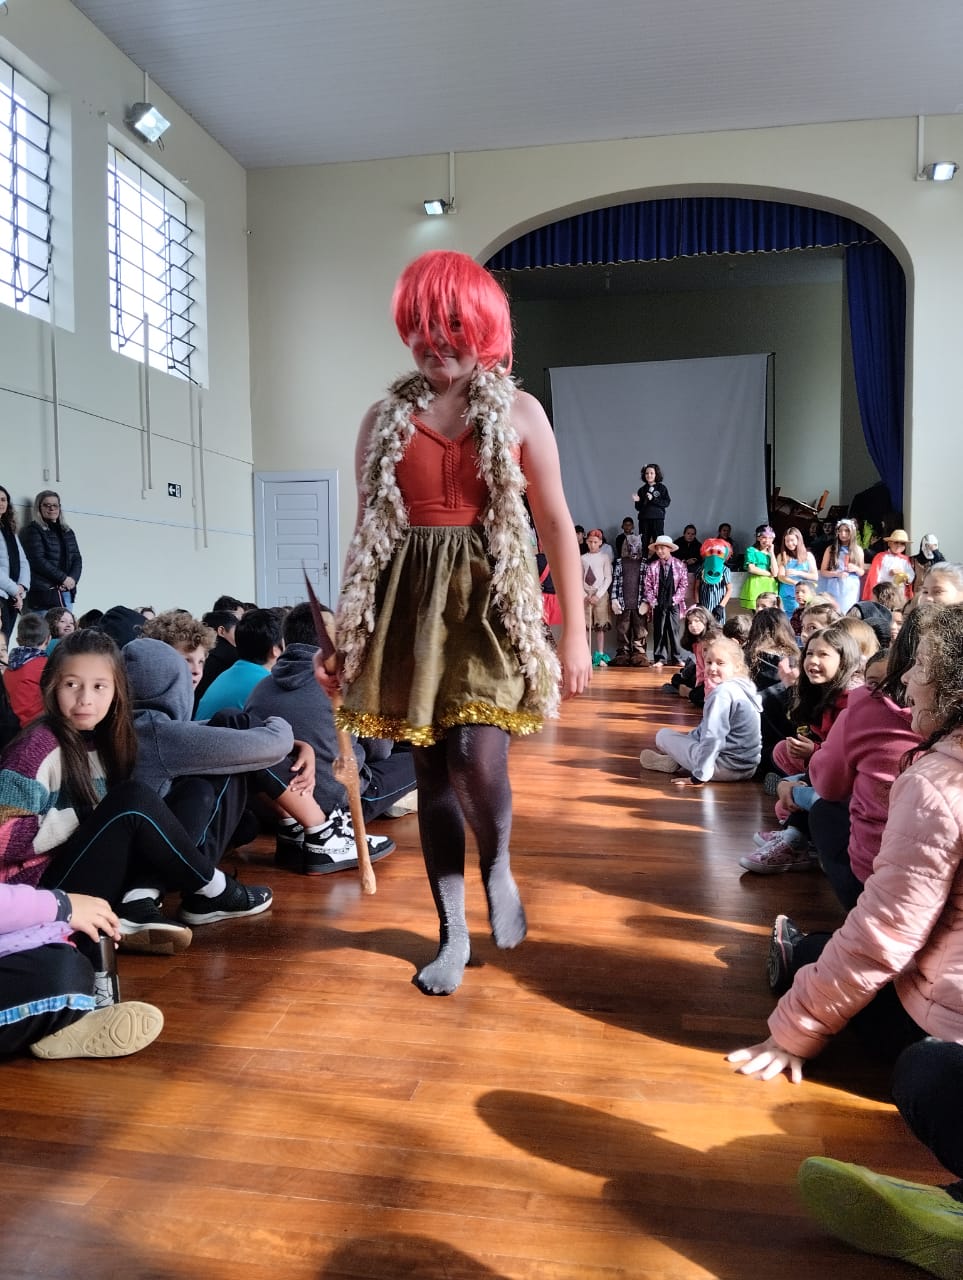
<point x="659" y="230"/>
<point x="876" y="293"/>
<point x="663" y="229"/>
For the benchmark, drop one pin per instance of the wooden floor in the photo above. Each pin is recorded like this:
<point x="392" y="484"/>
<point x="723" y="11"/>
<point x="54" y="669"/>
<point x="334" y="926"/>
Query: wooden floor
<point x="307" y="1113"/>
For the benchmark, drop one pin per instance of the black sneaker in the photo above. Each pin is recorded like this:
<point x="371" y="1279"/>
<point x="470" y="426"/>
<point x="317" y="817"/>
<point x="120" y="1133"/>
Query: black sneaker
<point x="287" y="846"/>
<point x="333" y="847"/>
<point x="235" y="901"/>
<point x="147" y="930"/>
<point x="779" y="963"/>
<point x="770" y="783"/>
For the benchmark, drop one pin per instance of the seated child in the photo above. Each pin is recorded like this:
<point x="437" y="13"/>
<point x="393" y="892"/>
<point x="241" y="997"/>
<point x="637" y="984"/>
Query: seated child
<point x="61" y="623"/>
<point x="50" y="999"/>
<point x="25" y="666"/>
<point x="942" y="585"/>
<point x="738" y="628"/>
<point x="768" y="600"/>
<point x="258" y="641"/>
<point x="830" y="665"/>
<point x="727" y="745"/>
<point x="208" y="772"/>
<point x="771" y="640"/>
<point x="805" y="593"/>
<point x="698" y="628"/>
<point x="192" y="639"/>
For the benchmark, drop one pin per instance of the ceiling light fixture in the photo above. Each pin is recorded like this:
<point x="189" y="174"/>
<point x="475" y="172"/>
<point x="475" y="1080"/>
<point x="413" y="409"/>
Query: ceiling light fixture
<point x="936" y="170"/>
<point x="145" y="120"/>
<point x="435" y="207"/>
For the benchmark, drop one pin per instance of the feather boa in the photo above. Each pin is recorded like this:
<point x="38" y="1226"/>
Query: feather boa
<point x="515" y="588"/>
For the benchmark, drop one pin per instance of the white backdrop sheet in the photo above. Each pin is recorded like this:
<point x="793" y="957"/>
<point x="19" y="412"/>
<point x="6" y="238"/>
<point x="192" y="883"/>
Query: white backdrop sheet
<point x="703" y="421"/>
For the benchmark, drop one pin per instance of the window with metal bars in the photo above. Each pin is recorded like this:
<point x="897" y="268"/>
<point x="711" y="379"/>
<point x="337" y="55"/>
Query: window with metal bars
<point x="24" y="194"/>
<point x="149" y="262"/>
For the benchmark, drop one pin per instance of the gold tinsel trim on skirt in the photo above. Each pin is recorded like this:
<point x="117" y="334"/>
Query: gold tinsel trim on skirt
<point x="438" y="655"/>
<point x="366" y="725"/>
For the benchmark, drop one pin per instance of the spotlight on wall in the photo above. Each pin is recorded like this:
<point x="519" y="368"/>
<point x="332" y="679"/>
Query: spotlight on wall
<point x="437" y="206"/>
<point x="146" y="121"/>
<point x="939" y="171"/>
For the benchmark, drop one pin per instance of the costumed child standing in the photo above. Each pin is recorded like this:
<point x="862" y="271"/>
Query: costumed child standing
<point x="842" y="567"/>
<point x="761" y="568"/>
<point x="664" y="587"/>
<point x="892" y="565"/>
<point x="596" y="582"/>
<point x="714" y="578"/>
<point x="440" y="619"/>
<point x="628" y="604"/>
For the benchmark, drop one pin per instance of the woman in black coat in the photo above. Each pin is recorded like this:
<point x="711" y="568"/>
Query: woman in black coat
<point x="51" y="547"/>
<point x="651" y="502"/>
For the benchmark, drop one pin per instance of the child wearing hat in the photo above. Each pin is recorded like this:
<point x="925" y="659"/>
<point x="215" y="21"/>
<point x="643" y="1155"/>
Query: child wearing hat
<point x="596" y="581"/>
<point x="892" y="565"/>
<point x="664" y="590"/>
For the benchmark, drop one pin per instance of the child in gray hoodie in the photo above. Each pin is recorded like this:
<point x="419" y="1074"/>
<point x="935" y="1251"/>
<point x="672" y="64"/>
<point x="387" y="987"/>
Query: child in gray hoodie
<point x="208" y="771"/>
<point x="727" y="745"/>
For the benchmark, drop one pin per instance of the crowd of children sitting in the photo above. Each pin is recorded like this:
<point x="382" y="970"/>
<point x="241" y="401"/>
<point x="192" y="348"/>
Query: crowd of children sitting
<point x="115" y="792"/>
<point x="852" y="722"/>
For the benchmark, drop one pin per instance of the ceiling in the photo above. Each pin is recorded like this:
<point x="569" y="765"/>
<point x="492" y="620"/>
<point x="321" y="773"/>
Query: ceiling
<point x="293" y="82"/>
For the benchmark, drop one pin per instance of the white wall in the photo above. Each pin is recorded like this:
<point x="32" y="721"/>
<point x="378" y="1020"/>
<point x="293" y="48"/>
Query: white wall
<point x="328" y="242"/>
<point x="136" y="549"/>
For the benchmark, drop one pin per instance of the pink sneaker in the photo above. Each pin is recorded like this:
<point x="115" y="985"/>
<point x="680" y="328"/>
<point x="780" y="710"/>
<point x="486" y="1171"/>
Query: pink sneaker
<point x="778" y="856"/>
<point x="791" y="835"/>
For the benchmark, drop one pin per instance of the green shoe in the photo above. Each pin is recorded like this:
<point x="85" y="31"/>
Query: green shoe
<point x="886" y="1216"/>
<point x="596" y="660"/>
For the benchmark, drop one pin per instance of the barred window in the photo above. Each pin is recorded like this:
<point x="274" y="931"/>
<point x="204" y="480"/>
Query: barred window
<point x="24" y="194"/>
<point x="149" y="255"/>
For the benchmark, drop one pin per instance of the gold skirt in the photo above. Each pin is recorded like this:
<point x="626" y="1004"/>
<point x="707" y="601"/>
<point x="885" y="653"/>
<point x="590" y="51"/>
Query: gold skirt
<point x="439" y="655"/>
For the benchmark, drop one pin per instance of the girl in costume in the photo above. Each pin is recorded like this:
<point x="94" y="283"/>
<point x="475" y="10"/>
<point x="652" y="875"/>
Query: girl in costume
<point x="761" y="568"/>
<point x="596" y="582"/>
<point x="440" y="618"/>
<point x="892" y="565"/>
<point x="796" y="564"/>
<point x="842" y="567"/>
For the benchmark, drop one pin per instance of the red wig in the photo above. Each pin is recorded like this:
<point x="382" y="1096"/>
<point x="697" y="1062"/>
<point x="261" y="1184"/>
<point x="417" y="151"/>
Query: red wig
<point x="441" y="287"/>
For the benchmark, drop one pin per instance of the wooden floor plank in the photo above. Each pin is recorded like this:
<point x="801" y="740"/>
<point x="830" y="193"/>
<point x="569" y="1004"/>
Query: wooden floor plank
<point x="568" y="1113"/>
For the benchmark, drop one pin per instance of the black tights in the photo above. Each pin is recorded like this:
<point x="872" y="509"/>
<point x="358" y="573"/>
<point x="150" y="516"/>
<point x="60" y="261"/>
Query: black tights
<point x="464" y="779"/>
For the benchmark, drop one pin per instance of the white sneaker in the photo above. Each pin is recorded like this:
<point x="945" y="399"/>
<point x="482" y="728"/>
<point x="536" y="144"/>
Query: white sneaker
<point x="403" y="805"/>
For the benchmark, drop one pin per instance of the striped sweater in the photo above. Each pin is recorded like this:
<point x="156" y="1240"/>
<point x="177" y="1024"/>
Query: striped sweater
<point x="36" y="814"/>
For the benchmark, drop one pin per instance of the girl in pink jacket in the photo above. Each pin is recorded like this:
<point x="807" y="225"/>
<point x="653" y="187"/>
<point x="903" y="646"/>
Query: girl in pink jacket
<point x="895" y="968"/>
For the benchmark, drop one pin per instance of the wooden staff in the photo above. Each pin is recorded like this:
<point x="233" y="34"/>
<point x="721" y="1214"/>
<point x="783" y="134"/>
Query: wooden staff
<point x="348" y="765"/>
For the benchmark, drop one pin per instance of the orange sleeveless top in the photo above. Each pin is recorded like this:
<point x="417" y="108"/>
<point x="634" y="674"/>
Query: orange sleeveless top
<point x="439" y="479"/>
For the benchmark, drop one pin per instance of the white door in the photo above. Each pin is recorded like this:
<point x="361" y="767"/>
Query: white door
<point x="295" y="529"/>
